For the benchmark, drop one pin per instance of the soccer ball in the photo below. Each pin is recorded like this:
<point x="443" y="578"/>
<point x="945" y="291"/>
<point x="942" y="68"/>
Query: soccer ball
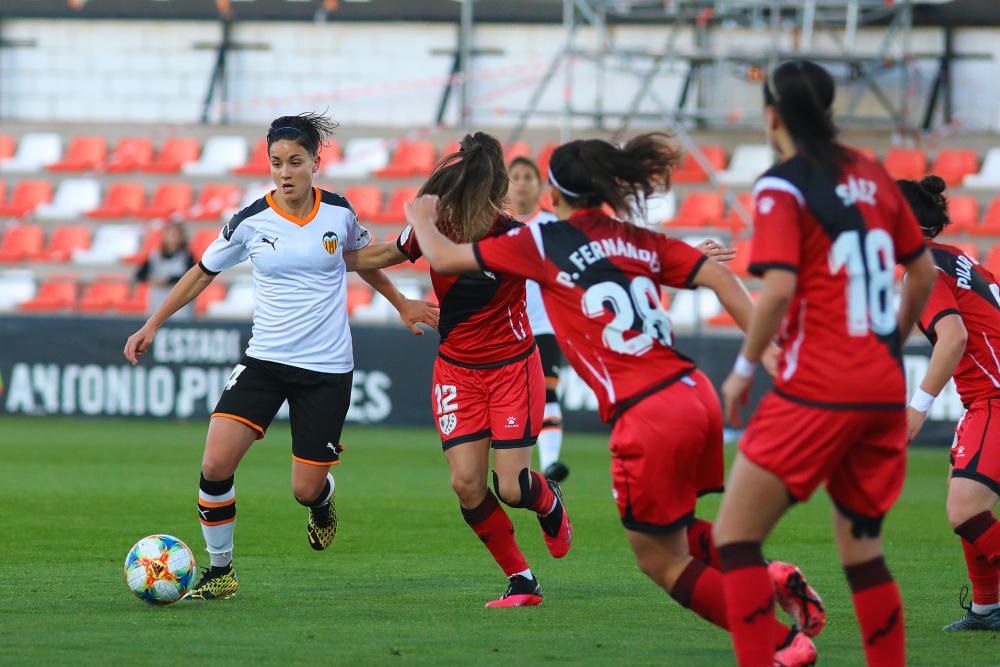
<point x="159" y="569"/>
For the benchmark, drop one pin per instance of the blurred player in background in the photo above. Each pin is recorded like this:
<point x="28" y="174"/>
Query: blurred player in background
<point x="165" y="266"/>
<point x="525" y="202"/>
<point x="600" y="280"/>
<point x="829" y="227"/>
<point x="300" y="350"/>
<point x="962" y="322"/>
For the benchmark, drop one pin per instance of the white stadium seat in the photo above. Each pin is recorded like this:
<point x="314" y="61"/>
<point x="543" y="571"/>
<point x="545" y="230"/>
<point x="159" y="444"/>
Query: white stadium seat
<point x="362" y="156"/>
<point x="749" y="161"/>
<point x="688" y="308"/>
<point x="220" y="155"/>
<point x="988" y="177"/>
<point x="660" y="208"/>
<point x="16" y="286"/>
<point x="34" y="151"/>
<point x="73" y="198"/>
<point x="238" y="304"/>
<point x="111" y="243"/>
<point x="380" y="311"/>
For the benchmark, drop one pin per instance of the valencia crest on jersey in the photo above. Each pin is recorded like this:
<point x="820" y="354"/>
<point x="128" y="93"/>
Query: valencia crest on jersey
<point x="330" y="242"/>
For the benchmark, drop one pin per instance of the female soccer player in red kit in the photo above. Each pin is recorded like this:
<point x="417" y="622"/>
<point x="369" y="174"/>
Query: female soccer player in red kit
<point x="600" y="280"/>
<point x="962" y="322"/>
<point x="829" y="227"/>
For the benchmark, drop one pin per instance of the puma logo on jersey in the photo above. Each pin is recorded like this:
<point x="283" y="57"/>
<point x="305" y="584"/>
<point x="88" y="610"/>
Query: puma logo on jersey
<point x="270" y="242"/>
<point x="857" y="190"/>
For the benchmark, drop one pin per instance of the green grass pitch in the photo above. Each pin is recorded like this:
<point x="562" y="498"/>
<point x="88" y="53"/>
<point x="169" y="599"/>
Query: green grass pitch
<point x="405" y="581"/>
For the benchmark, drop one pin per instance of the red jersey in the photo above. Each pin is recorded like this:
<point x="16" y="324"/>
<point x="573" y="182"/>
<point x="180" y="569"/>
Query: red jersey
<point x="600" y="281"/>
<point x="966" y="289"/>
<point x="839" y="339"/>
<point x="483" y="320"/>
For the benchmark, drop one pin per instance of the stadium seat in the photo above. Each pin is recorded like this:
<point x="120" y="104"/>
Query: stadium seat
<point x="992" y="261"/>
<point x="103" y="294"/>
<point x="741" y="262"/>
<point x="83" y="154"/>
<point x="16" y="286"/>
<point x="357" y="295"/>
<point x="73" y="198"/>
<point x="990" y="226"/>
<point x="690" y="171"/>
<point x="201" y="240"/>
<point x="237" y="304"/>
<point x="909" y="163"/>
<point x="379" y="310"/>
<point x="137" y="303"/>
<point x="215" y="200"/>
<point x="21" y="242"/>
<point x="257" y="164"/>
<point x="448" y="149"/>
<point x="988" y="177"/>
<point x="122" y="200"/>
<point x="220" y="155"/>
<point x="954" y="164"/>
<point x="867" y="151"/>
<point x="660" y="208"/>
<point x="411" y="159"/>
<point x="173" y="155"/>
<point x="699" y="209"/>
<point x="58" y="293"/>
<point x="27" y="196"/>
<point x="733" y="222"/>
<point x="362" y="156"/>
<point x="394" y="212"/>
<point x="543" y="158"/>
<point x="169" y="199"/>
<point x="111" y="245"/>
<point x="64" y="242"/>
<point x="516" y="150"/>
<point x="366" y="200"/>
<point x="689" y="308"/>
<point x="748" y="162"/>
<point x="150" y="243"/>
<point x="215" y="292"/>
<point x="130" y="154"/>
<point x="35" y="151"/>
<point x="7" y="146"/>
<point x="964" y="213"/>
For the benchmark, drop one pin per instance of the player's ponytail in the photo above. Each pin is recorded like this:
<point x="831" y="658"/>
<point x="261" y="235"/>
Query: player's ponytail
<point x="802" y="93"/>
<point x="472" y="185"/>
<point x="309" y="130"/>
<point x="930" y="206"/>
<point x="591" y="173"/>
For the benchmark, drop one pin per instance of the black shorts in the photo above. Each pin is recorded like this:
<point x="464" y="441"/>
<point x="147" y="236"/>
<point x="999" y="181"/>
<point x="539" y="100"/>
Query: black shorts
<point x="317" y="405"/>
<point x="552" y="358"/>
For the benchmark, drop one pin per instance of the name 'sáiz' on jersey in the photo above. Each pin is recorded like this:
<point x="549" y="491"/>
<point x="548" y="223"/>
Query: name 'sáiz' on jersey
<point x="594" y="251"/>
<point x="857" y="190"/>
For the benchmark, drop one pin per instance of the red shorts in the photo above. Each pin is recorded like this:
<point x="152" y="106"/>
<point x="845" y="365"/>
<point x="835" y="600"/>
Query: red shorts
<point x="975" y="452"/>
<point x="665" y="452"/>
<point x="506" y="404"/>
<point x="860" y="454"/>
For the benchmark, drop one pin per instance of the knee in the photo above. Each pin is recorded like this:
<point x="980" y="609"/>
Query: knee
<point x="216" y="467"/>
<point x="508" y="490"/>
<point x="306" y="490"/>
<point x="470" y="491"/>
<point x="960" y="510"/>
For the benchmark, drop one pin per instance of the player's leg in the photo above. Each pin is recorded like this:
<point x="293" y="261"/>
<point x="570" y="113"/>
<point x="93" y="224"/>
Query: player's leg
<point x="970" y="509"/>
<point x="317" y="408"/>
<point x="551" y="435"/>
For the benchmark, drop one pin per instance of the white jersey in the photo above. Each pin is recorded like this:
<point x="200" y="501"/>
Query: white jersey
<point x="539" y="321"/>
<point x="300" y="309"/>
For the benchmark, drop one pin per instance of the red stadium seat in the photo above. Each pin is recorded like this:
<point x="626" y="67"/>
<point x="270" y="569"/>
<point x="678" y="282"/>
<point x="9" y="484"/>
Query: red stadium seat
<point x="7" y="146"/>
<point x="214" y="200"/>
<point x="58" y="293"/>
<point x="358" y="295"/>
<point x="954" y="164"/>
<point x="690" y="171"/>
<point x="137" y="303"/>
<point x="169" y="199"/>
<point x="22" y="242"/>
<point x="215" y="291"/>
<point x="122" y="200"/>
<point x="992" y="261"/>
<point x="733" y="221"/>
<point x="366" y="200"/>
<point x="201" y="240"/>
<point x="867" y="152"/>
<point x="64" y="241"/>
<point x="448" y="149"/>
<point x="411" y="159"/>
<point x="394" y="212"/>
<point x="104" y="294"/>
<point x="258" y="163"/>
<point x="173" y="155"/>
<point x="990" y="226"/>
<point x="964" y="213"/>
<point x="515" y="150"/>
<point x="28" y="195"/>
<point x="130" y="154"/>
<point x="699" y="209"/>
<point x="83" y="154"/>
<point x="740" y="263"/>
<point x="543" y="158"/>
<point x="151" y="242"/>
<point x="909" y="163"/>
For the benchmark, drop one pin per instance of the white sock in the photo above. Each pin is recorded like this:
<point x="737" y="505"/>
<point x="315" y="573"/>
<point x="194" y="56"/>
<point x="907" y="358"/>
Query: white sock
<point x="983" y="609"/>
<point x="221" y="559"/>
<point x="525" y="573"/>
<point x="550" y="439"/>
<point x="218" y="523"/>
<point x="333" y="485"/>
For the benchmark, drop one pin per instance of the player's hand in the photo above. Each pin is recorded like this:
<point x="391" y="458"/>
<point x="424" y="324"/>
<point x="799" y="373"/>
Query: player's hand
<point x="413" y="311"/>
<point x="735" y="395"/>
<point x="138" y="343"/>
<point x="422" y="212"/>
<point x="716" y="250"/>
<point x="914" y="422"/>
<point x="769" y="360"/>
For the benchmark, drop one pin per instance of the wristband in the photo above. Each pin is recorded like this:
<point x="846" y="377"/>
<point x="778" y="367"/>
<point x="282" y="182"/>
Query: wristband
<point x="921" y="401"/>
<point x="744" y="367"/>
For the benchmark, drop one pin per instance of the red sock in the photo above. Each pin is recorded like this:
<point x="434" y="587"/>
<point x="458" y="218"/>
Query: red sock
<point x="494" y="528"/>
<point x="749" y="603"/>
<point x="983" y="531"/>
<point x="880" y="612"/>
<point x="700" y="543"/>
<point x="540" y="498"/>
<point x="700" y="589"/>
<point x="984" y="577"/>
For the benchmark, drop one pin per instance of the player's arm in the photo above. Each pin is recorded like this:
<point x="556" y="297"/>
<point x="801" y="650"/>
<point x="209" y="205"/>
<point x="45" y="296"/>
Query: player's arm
<point x="374" y="256"/>
<point x="948" y="350"/>
<point x="445" y="256"/>
<point x="411" y="311"/>
<point x="730" y="290"/>
<point x="920" y="277"/>
<point x="187" y="289"/>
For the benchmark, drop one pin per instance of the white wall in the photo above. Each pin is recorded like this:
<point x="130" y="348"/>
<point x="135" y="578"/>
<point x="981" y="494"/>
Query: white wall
<point x="379" y="74"/>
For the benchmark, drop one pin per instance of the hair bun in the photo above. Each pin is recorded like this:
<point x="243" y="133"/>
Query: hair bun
<point x="933" y="184"/>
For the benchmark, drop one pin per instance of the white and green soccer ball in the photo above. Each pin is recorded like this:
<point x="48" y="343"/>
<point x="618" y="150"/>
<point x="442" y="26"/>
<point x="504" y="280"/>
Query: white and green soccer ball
<point x="159" y="569"/>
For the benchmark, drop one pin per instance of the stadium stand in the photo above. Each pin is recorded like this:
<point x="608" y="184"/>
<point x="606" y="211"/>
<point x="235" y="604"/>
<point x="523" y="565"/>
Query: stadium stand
<point x="169" y="199"/>
<point x="123" y="199"/>
<point x="220" y="155"/>
<point x="988" y="177"/>
<point x="73" y="198"/>
<point x="22" y="242"/>
<point x="748" y="162"/>
<point x="35" y="151"/>
<point x="27" y="196"/>
<point x="908" y="163"/>
<point x="690" y="171"/>
<point x="129" y="154"/>
<point x="411" y="159"/>
<point x="83" y="154"/>
<point x="173" y="155"/>
<point x="362" y="156"/>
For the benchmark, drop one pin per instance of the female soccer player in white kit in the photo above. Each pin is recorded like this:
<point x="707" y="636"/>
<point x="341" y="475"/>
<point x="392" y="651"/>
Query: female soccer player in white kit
<point x="300" y="350"/>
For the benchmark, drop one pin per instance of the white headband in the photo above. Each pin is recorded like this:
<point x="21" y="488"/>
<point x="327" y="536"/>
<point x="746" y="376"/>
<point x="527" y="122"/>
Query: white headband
<point x="554" y="182"/>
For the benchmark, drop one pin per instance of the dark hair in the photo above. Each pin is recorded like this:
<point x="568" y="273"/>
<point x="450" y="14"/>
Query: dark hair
<point x="802" y="93"/>
<point x="525" y="162"/>
<point x="592" y="172"/>
<point x="472" y="184"/>
<point x="309" y="130"/>
<point x="930" y="206"/>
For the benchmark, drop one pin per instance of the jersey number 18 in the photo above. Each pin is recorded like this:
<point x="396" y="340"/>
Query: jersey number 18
<point x="870" y="263"/>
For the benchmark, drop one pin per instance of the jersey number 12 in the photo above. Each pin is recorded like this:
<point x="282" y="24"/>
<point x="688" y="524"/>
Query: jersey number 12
<point x="869" y="292"/>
